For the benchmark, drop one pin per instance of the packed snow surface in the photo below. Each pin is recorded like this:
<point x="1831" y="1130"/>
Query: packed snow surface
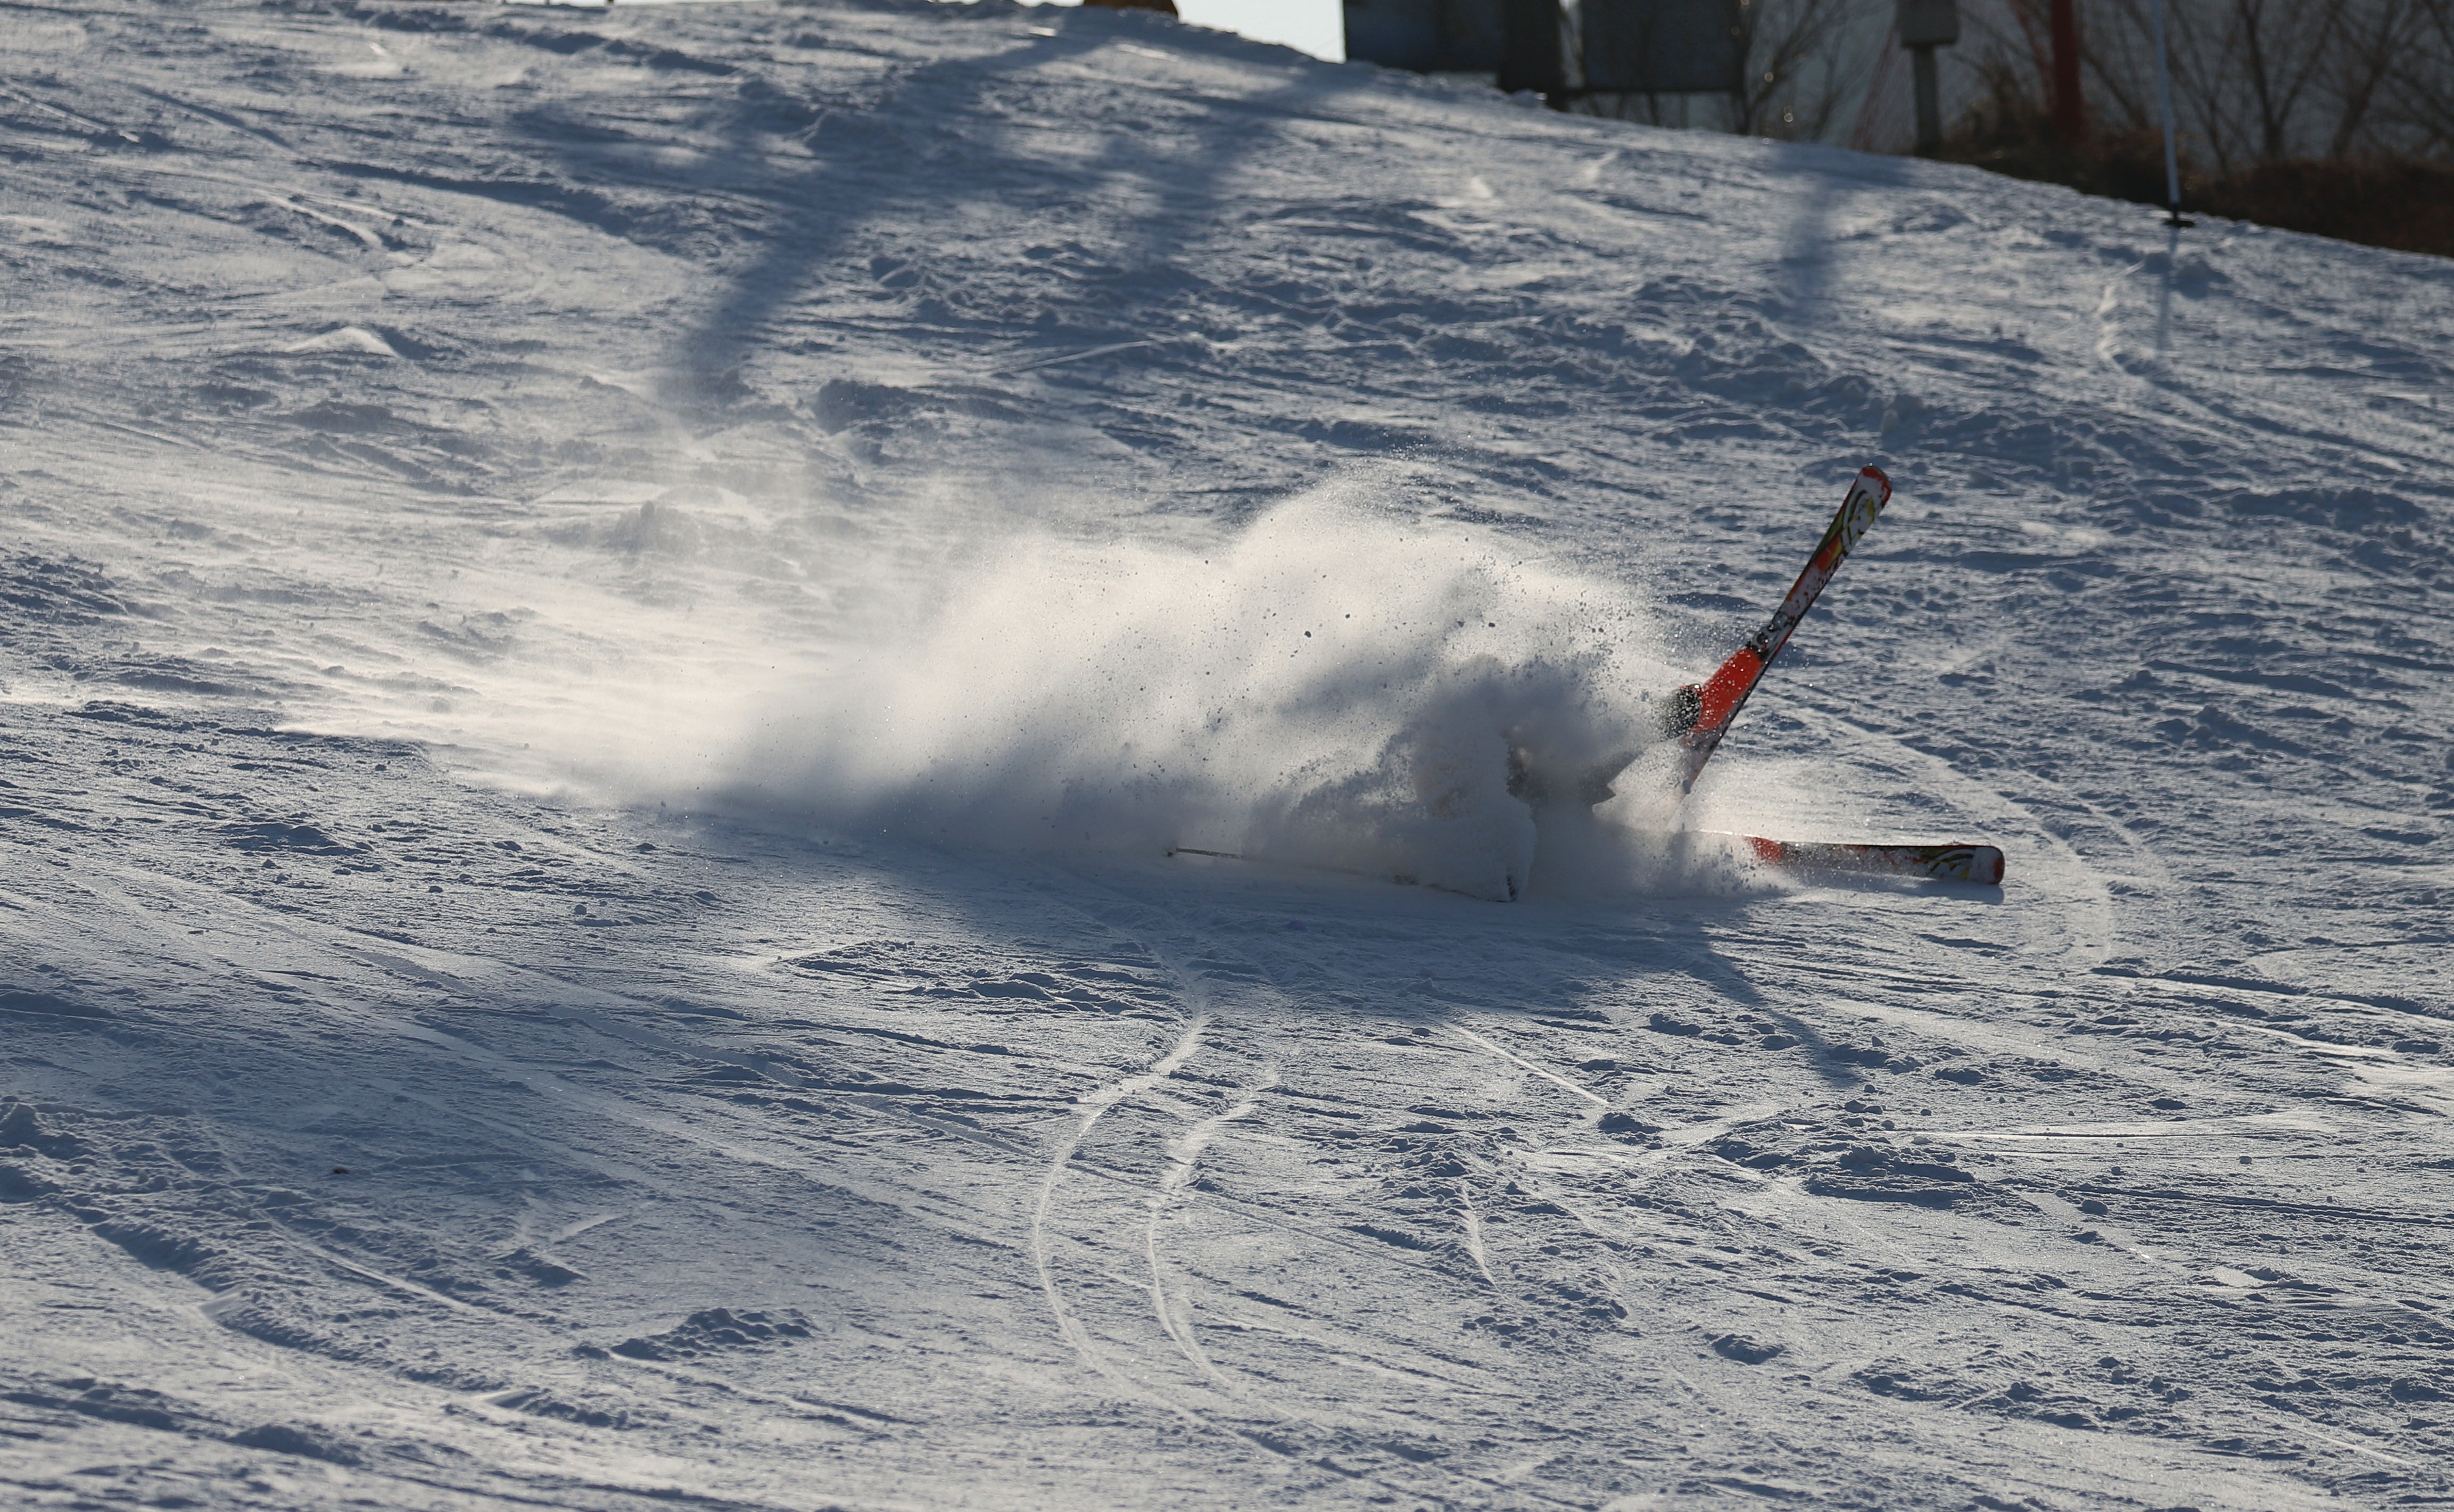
<point x="610" y="617"/>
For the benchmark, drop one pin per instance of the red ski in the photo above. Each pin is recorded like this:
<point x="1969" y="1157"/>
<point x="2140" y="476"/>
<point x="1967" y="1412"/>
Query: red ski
<point x="1700" y="716"/>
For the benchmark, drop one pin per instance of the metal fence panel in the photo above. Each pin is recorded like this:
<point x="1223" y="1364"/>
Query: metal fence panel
<point x="1428" y="36"/>
<point x="1663" y="47"/>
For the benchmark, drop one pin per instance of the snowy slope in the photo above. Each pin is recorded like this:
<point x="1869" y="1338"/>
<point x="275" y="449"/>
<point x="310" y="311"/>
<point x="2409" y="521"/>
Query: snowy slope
<point x="609" y="613"/>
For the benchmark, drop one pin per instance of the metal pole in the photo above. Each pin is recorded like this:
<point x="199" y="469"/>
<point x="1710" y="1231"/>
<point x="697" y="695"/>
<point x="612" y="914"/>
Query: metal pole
<point x="1923" y="26"/>
<point x="1929" y="105"/>
<point x="2164" y="98"/>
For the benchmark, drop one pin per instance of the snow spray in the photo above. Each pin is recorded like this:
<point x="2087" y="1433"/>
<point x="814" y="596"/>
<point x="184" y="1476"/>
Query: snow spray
<point x="1337" y="686"/>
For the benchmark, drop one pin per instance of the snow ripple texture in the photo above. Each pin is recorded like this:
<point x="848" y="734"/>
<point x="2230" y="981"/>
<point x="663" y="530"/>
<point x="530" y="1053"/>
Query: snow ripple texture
<point x="607" y="614"/>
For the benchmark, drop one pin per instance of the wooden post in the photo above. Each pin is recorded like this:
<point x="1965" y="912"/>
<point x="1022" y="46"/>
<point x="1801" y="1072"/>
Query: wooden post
<point x="2070" y="114"/>
<point x="1529" y="49"/>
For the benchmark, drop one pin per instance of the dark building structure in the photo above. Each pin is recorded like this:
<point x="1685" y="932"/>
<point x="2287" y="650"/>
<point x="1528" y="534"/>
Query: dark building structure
<point x="1608" y="46"/>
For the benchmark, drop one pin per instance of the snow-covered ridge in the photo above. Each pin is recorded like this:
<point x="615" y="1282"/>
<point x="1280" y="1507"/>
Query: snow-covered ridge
<point x="503" y="506"/>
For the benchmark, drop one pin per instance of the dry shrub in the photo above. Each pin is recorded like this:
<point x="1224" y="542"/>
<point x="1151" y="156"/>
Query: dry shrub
<point x="2356" y="161"/>
<point x="2404" y="204"/>
<point x="2408" y="206"/>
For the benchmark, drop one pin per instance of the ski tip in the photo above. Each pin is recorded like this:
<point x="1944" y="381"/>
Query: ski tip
<point x="1882" y="479"/>
<point x="1979" y="865"/>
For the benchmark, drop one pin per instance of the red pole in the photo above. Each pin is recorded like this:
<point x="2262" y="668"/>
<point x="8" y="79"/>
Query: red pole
<point x="2070" y="117"/>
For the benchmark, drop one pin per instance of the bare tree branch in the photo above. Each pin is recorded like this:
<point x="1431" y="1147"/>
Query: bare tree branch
<point x="1798" y="67"/>
<point x="2423" y="77"/>
<point x="2372" y="37"/>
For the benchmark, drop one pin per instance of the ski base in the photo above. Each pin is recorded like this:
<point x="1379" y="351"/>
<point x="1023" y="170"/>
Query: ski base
<point x="1980" y="864"/>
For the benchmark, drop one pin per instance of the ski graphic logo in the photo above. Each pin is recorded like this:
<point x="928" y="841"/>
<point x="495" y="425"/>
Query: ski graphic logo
<point x="1865" y="502"/>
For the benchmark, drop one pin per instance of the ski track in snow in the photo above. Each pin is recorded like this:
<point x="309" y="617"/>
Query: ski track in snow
<point x="437" y="431"/>
<point x="1093" y="1107"/>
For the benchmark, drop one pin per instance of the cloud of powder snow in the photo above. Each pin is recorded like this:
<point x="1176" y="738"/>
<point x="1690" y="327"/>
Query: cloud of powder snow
<point x="1338" y="685"/>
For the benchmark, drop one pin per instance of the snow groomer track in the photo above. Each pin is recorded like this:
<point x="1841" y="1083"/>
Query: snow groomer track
<point x="607" y="618"/>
